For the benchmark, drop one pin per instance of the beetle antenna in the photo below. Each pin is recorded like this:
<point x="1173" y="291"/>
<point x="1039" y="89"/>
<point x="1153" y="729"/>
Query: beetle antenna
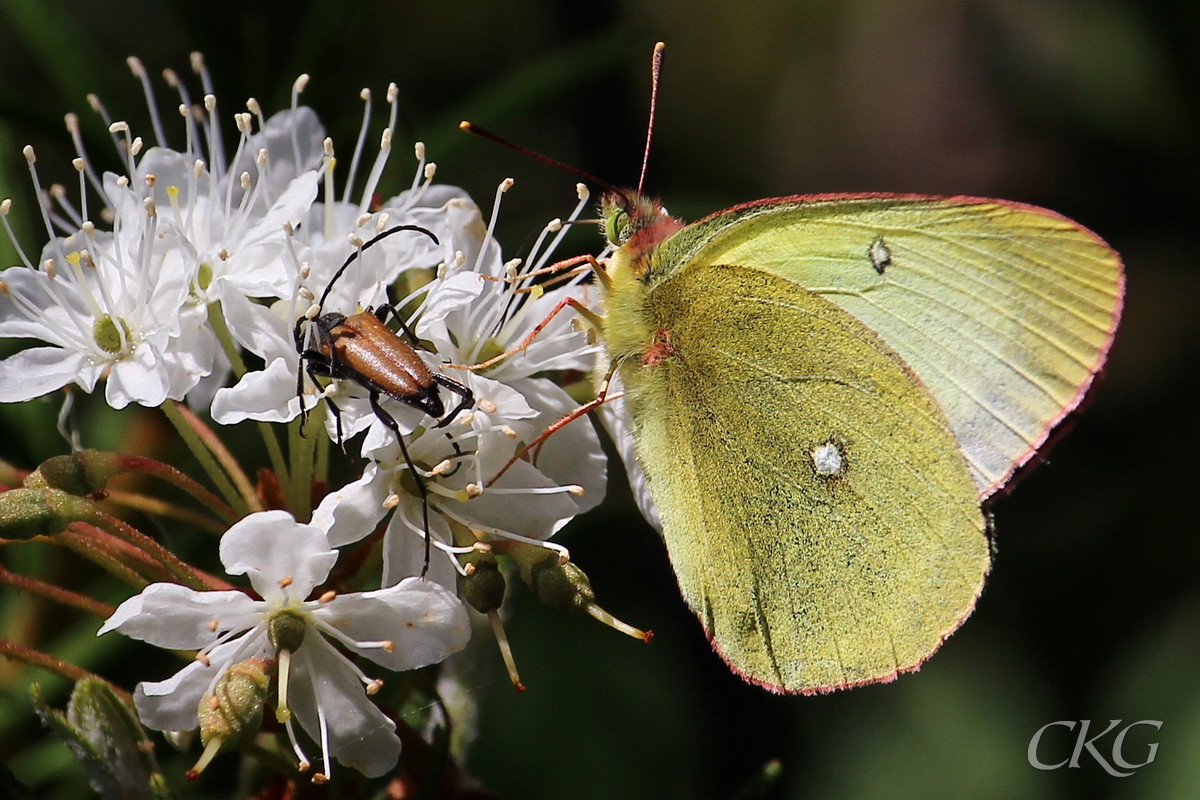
<point x="655" y="73"/>
<point x="368" y="243"/>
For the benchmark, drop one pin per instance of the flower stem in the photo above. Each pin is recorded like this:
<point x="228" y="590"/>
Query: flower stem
<point x="49" y="663"/>
<point x="87" y="546"/>
<point x="182" y="481"/>
<point x="208" y="450"/>
<point x="183" y="573"/>
<point x="302" y="449"/>
<point x="274" y="451"/>
<point x="56" y="593"/>
<point x="161" y="508"/>
<point x="217" y="319"/>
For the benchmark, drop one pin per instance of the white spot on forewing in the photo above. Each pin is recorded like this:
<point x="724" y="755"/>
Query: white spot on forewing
<point x="827" y="459"/>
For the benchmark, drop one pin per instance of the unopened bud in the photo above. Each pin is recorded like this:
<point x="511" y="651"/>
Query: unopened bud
<point x="26" y="513"/>
<point x="233" y="711"/>
<point x="80" y="473"/>
<point x="562" y="585"/>
<point x="103" y="733"/>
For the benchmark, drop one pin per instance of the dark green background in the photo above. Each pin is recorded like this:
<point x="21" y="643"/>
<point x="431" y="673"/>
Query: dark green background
<point x="1086" y="106"/>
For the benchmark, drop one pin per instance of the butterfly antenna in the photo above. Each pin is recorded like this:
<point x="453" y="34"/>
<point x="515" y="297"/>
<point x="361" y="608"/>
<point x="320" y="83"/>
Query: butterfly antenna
<point x="471" y="127"/>
<point x="655" y="71"/>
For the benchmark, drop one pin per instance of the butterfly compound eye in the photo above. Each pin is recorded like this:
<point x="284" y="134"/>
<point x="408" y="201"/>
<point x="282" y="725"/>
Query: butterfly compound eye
<point x="616" y="227"/>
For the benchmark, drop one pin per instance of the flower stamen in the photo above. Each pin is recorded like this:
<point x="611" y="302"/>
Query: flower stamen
<point x="359" y="144"/>
<point x="322" y="777"/>
<point x="139" y="72"/>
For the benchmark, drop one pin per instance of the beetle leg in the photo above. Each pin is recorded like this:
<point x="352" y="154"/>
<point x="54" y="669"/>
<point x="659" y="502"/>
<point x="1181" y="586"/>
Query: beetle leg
<point x="388" y="420"/>
<point x="458" y="453"/>
<point x="337" y="416"/>
<point x="468" y="397"/>
<point x="300" y="394"/>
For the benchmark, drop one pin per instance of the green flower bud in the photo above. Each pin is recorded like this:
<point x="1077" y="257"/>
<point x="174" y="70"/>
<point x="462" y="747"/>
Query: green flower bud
<point x="104" y="734"/>
<point x="26" y="513"/>
<point x="232" y="713"/>
<point x="561" y="586"/>
<point x="80" y="473"/>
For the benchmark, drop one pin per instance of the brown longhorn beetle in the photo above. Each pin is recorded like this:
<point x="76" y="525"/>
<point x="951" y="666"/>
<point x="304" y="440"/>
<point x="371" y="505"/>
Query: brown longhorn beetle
<point x="363" y="349"/>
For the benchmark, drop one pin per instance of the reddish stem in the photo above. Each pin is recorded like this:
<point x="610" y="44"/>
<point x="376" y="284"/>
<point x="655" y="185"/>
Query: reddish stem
<point x="49" y="663"/>
<point x="56" y="593"/>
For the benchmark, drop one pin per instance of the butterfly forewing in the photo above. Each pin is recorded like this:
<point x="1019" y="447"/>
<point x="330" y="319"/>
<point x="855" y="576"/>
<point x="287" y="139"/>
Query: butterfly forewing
<point x="1004" y="311"/>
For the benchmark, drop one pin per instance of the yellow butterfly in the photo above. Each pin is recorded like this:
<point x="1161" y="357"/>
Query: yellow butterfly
<point x="823" y="389"/>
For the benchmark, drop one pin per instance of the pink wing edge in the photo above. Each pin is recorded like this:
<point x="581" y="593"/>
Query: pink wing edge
<point x="833" y="687"/>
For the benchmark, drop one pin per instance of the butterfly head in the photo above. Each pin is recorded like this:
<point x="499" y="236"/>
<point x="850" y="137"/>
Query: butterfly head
<point x="629" y="217"/>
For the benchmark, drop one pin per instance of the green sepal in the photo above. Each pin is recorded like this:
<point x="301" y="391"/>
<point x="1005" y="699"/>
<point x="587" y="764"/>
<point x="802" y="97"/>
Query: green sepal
<point x="105" y="735"/>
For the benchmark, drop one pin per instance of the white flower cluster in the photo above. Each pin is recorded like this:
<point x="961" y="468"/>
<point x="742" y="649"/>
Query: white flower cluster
<point x="203" y="259"/>
<point x="409" y="625"/>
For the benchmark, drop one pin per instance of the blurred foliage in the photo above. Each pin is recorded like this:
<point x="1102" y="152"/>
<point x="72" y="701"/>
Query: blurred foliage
<point x="1085" y="106"/>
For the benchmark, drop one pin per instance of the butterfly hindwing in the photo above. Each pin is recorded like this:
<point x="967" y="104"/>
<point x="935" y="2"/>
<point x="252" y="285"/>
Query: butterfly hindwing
<point x="819" y="515"/>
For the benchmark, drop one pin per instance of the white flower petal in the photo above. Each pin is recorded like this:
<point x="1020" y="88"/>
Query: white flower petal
<point x="352" y="512"/>
<point x="524" y="513"/>
<point x="404" y="547"/>
<point x="261" y="329"/>
<point x="140" y="378"/>
<point x="453" y="293"/>
<point x="54" y="325"/>
<point x="360" y="735"/>
<point x="172" y="616"/>
<point x="573" y="454"/>
<point x="40" y="370"/>
<point x="293" y="140"/>
<point x="172" y="705"/>
<point x="425" y="621"/>
<point x="267" y="395"/>
<point x="270" y="547"/>
<point x="190" y="357"/>
<point x="256" y="266"/>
